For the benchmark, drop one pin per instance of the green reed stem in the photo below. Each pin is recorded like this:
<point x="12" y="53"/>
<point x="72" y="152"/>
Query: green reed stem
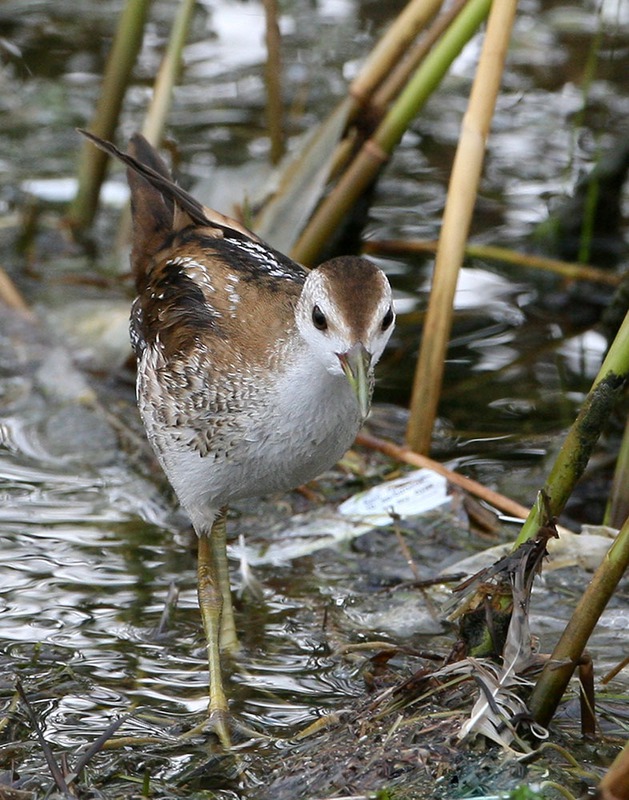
<point x="168" y="74"/>
<point x="583" y="435"/>
<point x="92" y="162"/>
<point x="617" y="510"/>
<point x="558" y="670"/>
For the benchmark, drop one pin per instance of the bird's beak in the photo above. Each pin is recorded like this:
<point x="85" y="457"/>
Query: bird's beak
<point x="355" y="364"/>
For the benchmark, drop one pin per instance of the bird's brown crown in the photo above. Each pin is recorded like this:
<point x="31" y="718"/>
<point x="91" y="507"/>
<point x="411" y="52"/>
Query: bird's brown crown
<point x="357" y="286"/>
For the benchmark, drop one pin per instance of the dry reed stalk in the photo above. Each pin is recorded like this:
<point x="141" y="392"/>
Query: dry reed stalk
<point x="462" y="191"/>
<point x="167" y="75"/>
<point x="11" y="296"/>
<point x="273" y="77"/>
<point x="395" y="81"/>
<point x="334" y="144"/>
<point x="566" y="269"/>
<point x="392" y="46"/>
<point x="161" y="99"/>
<point x="392" y="83"/>
<point x="375" y="151"/>
<point x="392" y="450"/>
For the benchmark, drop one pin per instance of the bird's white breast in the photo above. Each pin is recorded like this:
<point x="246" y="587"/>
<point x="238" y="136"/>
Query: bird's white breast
<point x="316" y="419"/>
<point x="285" y="432"/>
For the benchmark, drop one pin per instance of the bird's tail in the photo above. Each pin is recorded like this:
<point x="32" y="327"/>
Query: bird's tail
<point x="158" y="206"/>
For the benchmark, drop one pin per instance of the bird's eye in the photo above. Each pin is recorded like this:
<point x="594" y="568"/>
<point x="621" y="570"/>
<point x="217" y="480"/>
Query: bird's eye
<point x="318" y="319"/>
<point x="387" y="319"/>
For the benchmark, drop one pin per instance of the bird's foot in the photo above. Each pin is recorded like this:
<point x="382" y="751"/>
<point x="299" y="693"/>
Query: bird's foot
<point x="219" y="722"/>
<point x="225" y="727"/>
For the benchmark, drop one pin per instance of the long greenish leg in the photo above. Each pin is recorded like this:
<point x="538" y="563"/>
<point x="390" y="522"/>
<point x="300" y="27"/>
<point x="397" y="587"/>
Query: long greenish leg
<point x="218" y="542"/>
<point x="211" y="603"/>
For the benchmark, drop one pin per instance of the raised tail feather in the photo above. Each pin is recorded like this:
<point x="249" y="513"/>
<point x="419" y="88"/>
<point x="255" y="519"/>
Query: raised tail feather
<point x="150" y="166"/>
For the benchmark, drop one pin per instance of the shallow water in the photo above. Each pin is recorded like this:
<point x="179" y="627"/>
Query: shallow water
<point x="91" y="541"/>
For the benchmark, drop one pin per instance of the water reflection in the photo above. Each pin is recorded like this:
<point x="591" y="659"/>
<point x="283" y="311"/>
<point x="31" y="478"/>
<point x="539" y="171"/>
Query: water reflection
<point x="88" y="557"/>
<point x="86" y="529"/>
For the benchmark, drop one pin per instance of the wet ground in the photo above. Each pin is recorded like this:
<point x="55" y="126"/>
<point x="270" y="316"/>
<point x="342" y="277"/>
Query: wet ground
<point x="93" y="549"/>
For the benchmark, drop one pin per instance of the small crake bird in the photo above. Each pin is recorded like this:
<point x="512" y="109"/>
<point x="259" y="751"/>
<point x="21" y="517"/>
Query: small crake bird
<point x="254" y="375"/>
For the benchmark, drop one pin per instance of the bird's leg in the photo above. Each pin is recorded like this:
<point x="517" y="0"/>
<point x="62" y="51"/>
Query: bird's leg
<point x="218" y="542"/>
<point x="211" y="604"/>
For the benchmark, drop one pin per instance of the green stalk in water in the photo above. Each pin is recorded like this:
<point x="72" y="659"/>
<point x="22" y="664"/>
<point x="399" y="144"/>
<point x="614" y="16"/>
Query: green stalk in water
<point x="93" y="163"/>
<point x="559" y="668"/>
<point x="584" y="433"/>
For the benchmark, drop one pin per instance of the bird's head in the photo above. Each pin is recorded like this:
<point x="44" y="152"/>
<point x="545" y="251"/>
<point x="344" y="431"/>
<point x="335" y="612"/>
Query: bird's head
<point x="345" y="315"/>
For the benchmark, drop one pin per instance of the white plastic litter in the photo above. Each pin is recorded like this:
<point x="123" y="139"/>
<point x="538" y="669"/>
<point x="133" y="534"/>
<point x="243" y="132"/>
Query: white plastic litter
<point x="416" y="493"/>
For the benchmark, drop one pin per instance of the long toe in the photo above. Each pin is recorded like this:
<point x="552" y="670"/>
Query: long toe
<point x="219" y="722"/>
